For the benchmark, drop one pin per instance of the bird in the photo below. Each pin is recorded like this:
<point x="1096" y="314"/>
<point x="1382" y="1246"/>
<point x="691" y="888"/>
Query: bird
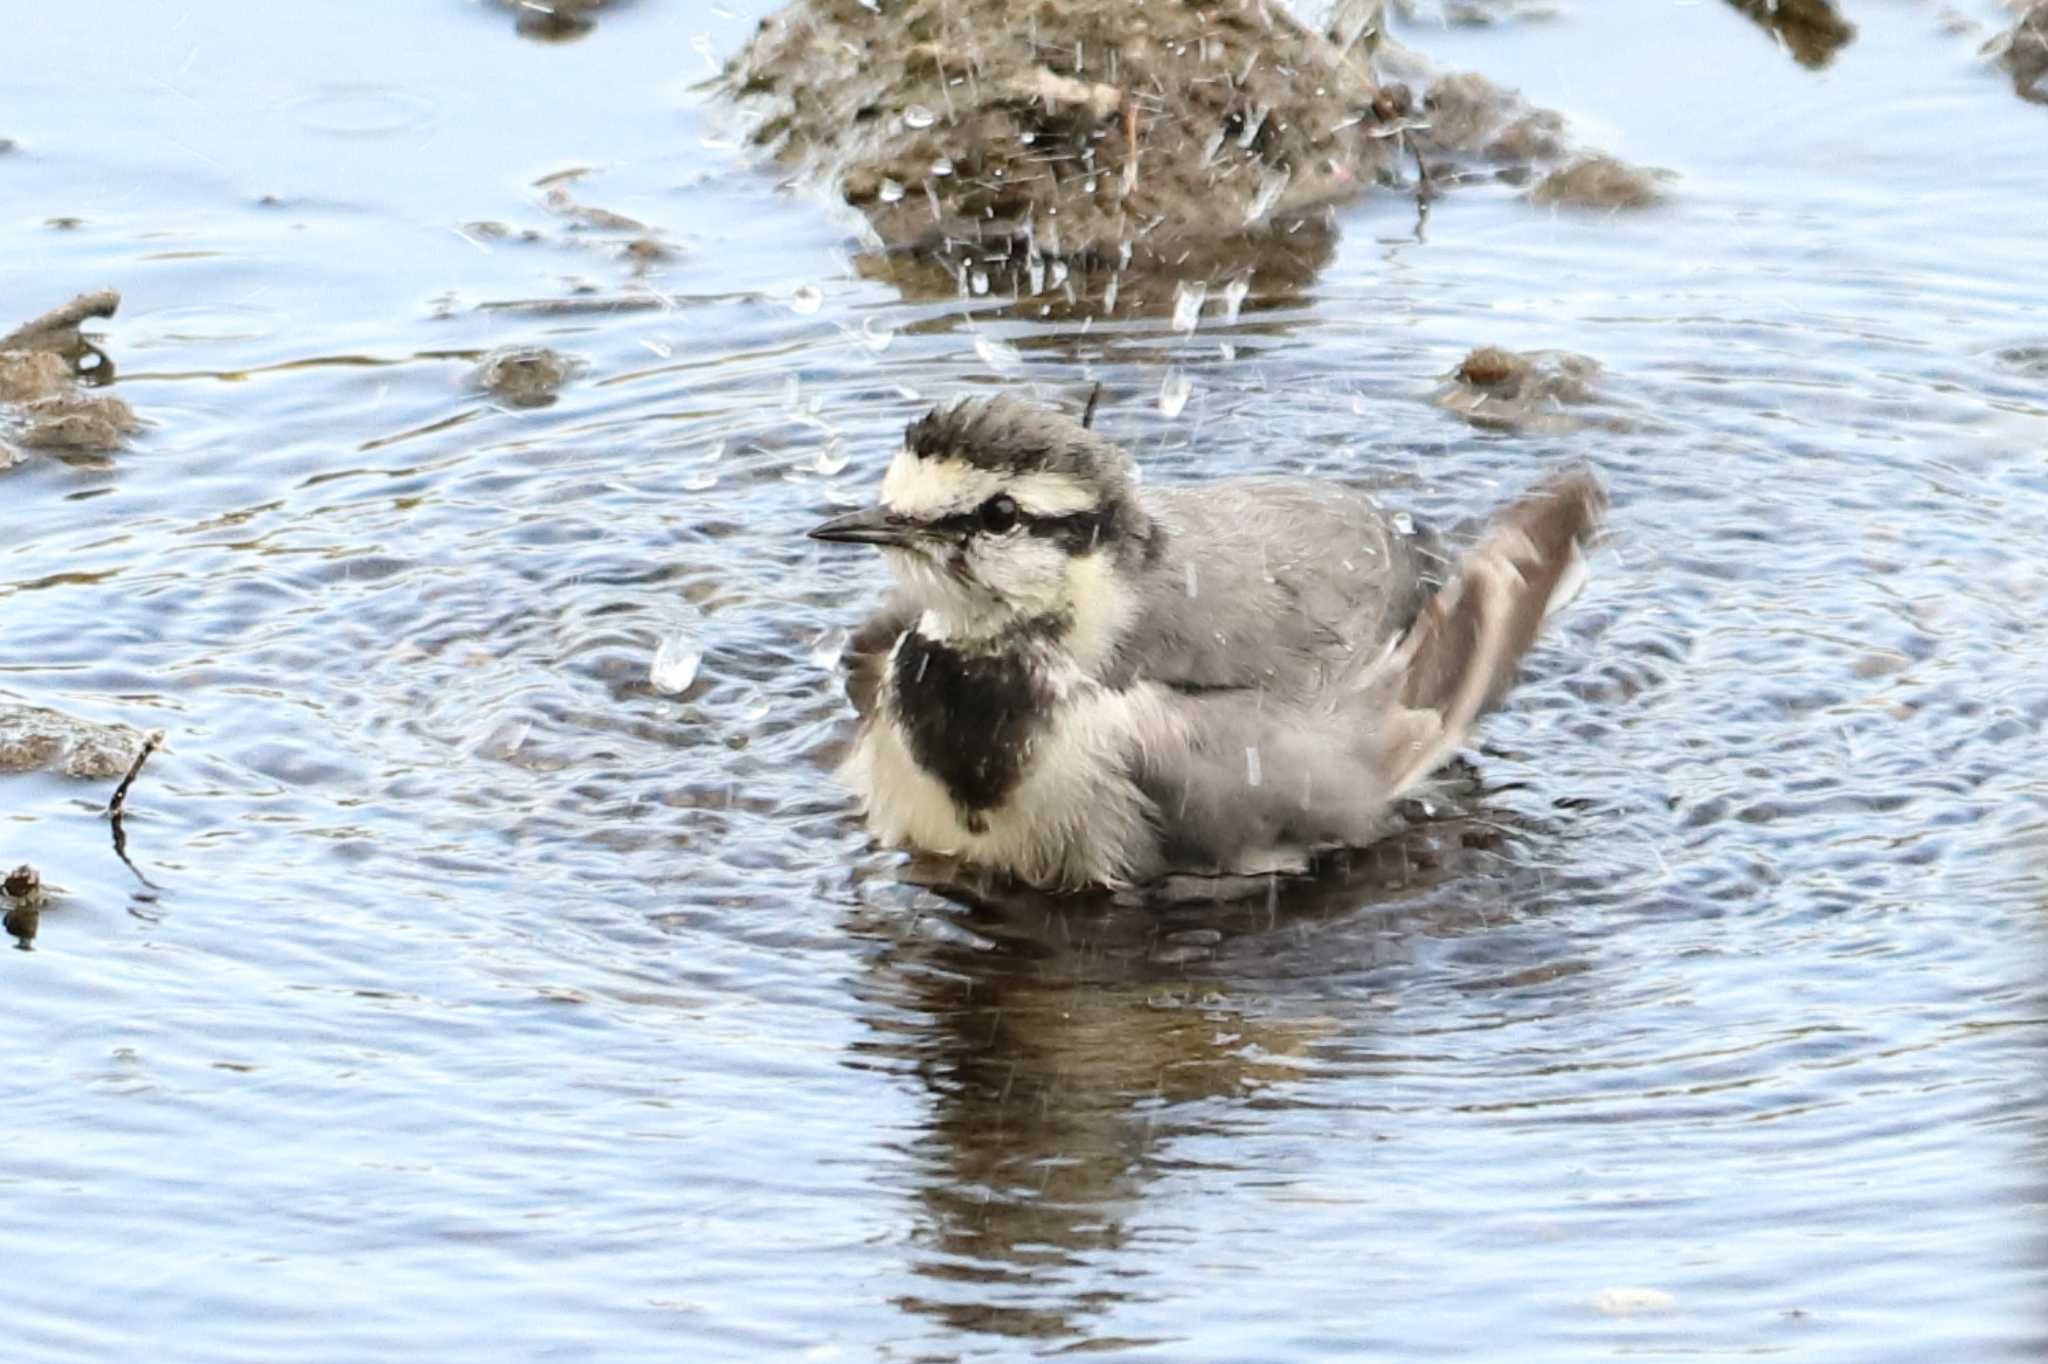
<point x="1081" y="683"/>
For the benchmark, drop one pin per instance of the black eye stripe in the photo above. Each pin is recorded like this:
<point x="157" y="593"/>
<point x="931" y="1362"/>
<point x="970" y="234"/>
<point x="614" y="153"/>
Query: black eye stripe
<point x="1077" y="532"/>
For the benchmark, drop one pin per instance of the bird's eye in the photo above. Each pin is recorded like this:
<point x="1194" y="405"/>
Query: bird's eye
<point x="998" y="514"/>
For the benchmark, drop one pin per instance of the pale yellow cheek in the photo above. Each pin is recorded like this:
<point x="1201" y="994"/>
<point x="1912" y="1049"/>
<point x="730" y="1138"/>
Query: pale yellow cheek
<point x="1101" y="605"/>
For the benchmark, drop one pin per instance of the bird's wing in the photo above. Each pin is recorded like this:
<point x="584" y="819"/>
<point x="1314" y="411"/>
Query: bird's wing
<point x="1277" y="584"/>
<point x="866" y="656"/>
<point x="1459" y="657"/>
<point x="1242" y="783"/>
<point x="1250" y="779"/>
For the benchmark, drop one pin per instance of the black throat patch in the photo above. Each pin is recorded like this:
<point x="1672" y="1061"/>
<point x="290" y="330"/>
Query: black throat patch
<point x="969" y="717"/>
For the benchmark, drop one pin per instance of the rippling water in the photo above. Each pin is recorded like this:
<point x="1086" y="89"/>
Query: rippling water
<point x="485" y="1002"/>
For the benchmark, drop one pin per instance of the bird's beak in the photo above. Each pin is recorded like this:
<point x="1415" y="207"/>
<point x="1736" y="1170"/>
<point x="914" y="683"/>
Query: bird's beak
<point x="868" y="526"/>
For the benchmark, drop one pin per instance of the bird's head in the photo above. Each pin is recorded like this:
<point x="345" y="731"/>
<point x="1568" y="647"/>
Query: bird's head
<point x="997" y="515"/>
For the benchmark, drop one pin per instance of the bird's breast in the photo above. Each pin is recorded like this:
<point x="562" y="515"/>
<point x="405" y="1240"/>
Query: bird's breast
<point x="1010" y="767"/>
<point x="968" y="719"/>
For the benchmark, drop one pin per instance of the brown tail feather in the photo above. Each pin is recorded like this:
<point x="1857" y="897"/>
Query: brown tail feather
<point x="1459" y="657"/>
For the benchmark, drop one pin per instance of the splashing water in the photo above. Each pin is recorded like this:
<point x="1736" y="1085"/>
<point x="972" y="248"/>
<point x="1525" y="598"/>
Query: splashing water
<point x="505" y="738"/>
<point x="1174" y="392"/>
<point x="826" y="649"/>
<point x="1000" y="356"/>
<point x="1272" y="185"/>
<point x="1233" y="298"/>
<point x="675" y="664"/>
<point x="833" y="459"/>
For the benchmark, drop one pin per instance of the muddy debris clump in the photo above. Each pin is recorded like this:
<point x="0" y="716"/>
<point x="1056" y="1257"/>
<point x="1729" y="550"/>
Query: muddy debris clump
<point x="23" y="883"/>
<point x="1601" y="182"/>
<point x="1098" y="156"/>
<point x="524" y="376"/>
<point x="2023" y="51"/>
<point x="57" y="331"/>
<point x="1103" y="155"/>
<point x="41" y="400"/>
<point x="556" y="21"/>
<point x="1468" y="128"/>
<point x="1524" y="391"/>
<point x="1102" y="141"/>
<point x="85" y="422"/>
<point x="22" y="895"/>
<point x="1811" y="30"/>
<point x="33" y="739"/>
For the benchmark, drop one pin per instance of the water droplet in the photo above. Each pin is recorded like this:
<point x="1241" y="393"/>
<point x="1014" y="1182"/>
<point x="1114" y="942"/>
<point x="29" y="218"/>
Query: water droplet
<point x="833" y="459"/>
<point x="1252" y="775"/>
<point x="890" y="192"/>
<point x="917" y="116"/>
<point x="1404" y="523"/>
<point x="1000" y="356"/>
<point x="876" y="334"/>
<point x="1272" y="185"/>
<point x="977" y="281"/>
<point x="1174" y="392"/>
<point x="1225" y="352"/>
<point x="675" y="664"/>
<point x="807" y="299"/>
<point x="826" y="649"/>
<point x="756" y="706"/>
<point x="506" y="738"/>
<point x="943" y="166"/>
<point x="1233" y="298"/>
<point x="1187" y="305"/>
<point x="700" y="481"/>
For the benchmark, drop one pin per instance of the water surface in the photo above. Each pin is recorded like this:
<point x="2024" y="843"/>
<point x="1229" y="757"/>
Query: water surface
<point x="484" y="1002"/>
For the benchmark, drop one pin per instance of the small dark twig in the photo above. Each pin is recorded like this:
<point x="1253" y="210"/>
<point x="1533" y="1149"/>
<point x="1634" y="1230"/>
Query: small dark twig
<point x="149" y="745"/>
<point x="1088" y="412"/>
<point x="1426" y="189"/>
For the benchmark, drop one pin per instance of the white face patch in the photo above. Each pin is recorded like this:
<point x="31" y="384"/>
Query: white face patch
<point x="981" y="587"/>
<point x="930" y="488"/>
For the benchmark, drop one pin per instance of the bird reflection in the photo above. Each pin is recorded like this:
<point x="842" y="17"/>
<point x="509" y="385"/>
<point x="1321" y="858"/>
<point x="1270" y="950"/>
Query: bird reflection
<point x="1069" y="1043"/>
